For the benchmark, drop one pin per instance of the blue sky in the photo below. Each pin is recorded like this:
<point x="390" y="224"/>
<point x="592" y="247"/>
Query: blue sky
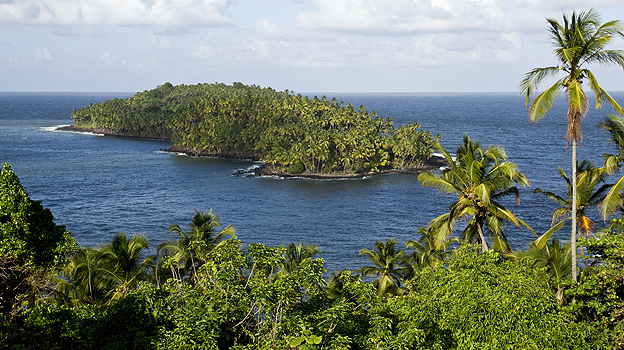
<point x="300" y="45"/>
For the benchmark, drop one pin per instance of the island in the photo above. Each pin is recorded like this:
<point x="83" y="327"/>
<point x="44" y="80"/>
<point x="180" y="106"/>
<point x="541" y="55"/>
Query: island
<point x="292" y="134"/>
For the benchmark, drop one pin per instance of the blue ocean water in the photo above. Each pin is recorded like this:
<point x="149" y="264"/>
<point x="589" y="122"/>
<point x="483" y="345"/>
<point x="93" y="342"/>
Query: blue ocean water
<point x="97" y="186"/>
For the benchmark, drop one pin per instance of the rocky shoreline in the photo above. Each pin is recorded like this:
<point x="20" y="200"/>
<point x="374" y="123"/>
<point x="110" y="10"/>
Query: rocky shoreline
<point x="433" y="163"/>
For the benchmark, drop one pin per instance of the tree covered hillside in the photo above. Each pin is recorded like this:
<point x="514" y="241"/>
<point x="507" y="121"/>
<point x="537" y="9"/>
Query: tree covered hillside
<point x="293" y="133"/>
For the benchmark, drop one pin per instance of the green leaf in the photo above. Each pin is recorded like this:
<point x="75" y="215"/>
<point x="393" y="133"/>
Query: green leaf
<point x="540" y="242"/>
<point x="297" y="341"/>
<point x="314" y="339"/>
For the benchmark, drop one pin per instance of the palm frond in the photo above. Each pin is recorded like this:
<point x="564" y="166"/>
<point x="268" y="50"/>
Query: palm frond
<point x="544" y="101"/>
<point x="529" y="84"/>
<point x="613" y="200"/>
<point x="600" y="93"/>
<point x="553" y="197"/>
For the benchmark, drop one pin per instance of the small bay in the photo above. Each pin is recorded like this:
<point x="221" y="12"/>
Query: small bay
<point x="97" y="186"/>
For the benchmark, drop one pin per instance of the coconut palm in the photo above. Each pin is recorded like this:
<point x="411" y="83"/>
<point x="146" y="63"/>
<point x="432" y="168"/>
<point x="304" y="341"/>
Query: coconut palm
<point x="553" y="258"/>
<point x="479" y="177"/>
<point x="294" y="254"/>
<point x="614" y="200"/>
<point x="98" y="276"/>
<point x="591" y="191"/>
<point x="86" y="279"/>
<point x="387" y="266"/>
<point x="581" y="40"/>
<point x="425" y="252"/>
<point x="126" y="257"/>
<point x="189" y="252"/>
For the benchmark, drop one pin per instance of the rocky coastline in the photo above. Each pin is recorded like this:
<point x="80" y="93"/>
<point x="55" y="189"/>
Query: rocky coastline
<point x="433" y="163"/>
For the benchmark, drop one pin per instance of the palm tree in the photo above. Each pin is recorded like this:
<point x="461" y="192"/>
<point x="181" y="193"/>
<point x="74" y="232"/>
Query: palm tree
<point x="294" y="254"/>
<point x="553" y="258"/>
<point x="588" y="195"/>
<point x="191" y="249"/>
<point x="387" y="266"/>
<point x="125" y="256"/>
<point x="613" y="201"/>
<point x="426" y="252"/>
<point x="579" y="41"/>
<point x="478" y="177"/>
<point x="86" y="279"/>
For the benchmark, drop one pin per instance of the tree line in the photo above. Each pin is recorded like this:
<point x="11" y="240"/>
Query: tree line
<point x="292" y="133"/>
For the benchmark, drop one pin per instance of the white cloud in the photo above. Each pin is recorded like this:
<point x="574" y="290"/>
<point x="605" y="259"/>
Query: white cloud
<point x="264" y="27"/>
<point x="344" y="44"/>
<point x="12" y="60"/>
<point x="203" y="52"/>
<point x="116" y="12"/>
<point x="409" y="17"/>
<point x="404" y="17"/>
<point x="43" y="55"/>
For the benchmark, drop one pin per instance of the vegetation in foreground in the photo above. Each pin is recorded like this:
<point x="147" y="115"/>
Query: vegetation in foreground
<point x="291" y="133"/>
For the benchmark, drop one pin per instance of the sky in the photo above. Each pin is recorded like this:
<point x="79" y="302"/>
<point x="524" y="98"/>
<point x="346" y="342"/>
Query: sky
<point x="300" y="45"/>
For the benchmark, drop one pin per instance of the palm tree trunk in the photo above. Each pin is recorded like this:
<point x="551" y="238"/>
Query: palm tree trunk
<point x="484" y="245"/>
<point x="573" y="236"/>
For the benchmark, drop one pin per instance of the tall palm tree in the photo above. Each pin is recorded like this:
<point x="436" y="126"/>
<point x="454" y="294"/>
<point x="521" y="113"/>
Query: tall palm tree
<point x="386" y="263"/>
<point x="581" y="40"/>
<point x="479" y="177"/>
<point x="194" y="244"/>
<point x="614" y="200"/>
<point x="591" y="191"/>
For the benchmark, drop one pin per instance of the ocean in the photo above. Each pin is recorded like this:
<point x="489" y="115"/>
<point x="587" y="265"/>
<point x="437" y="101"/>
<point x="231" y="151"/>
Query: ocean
<point x="97" y="186"/>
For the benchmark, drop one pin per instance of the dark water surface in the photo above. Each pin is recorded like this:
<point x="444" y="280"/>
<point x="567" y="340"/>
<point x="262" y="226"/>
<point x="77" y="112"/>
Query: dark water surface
<point x="97" y="186"/>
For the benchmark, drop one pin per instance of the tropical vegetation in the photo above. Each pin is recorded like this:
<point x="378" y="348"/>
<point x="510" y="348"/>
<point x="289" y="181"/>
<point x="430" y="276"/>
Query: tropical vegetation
<point x="592" y="191"/>
<point x="205" y="289"/>
<point x="579" y="41"/>
<point x="614" y="126"/>
<point x="479" y="177"/>
<point x="292" y="133"/>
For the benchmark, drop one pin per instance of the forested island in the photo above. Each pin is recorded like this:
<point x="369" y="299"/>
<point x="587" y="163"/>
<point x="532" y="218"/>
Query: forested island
<point x="292" y="134"/>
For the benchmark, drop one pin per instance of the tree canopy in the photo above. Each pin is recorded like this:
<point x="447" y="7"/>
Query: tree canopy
<point x="296" y="134"/>
<point x="27" y="230"/>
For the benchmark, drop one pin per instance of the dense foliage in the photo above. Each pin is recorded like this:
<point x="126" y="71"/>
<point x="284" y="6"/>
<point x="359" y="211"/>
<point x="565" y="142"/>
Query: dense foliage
<point x="31" y="244"/>
<point x="238" y="301"/>
<point x="27" y="230"/>
<point x="293" y="133"/>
